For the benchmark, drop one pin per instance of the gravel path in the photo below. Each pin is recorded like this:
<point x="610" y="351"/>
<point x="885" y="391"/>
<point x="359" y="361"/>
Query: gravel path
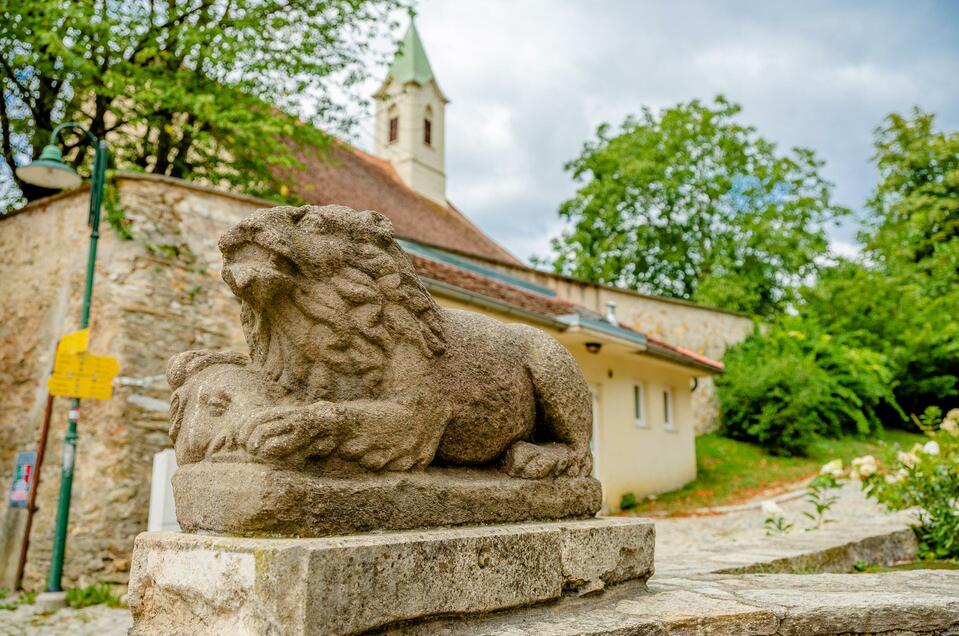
<point x="676" y="539"/>
<point x="98" y="620"/>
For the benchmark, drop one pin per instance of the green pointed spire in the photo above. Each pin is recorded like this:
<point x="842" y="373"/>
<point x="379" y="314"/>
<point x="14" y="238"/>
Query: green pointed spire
<point x="411" y="63"/>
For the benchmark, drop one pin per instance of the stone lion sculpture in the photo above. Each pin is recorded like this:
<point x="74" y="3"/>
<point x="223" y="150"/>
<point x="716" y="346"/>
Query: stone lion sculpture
<point x="354" y="367"/>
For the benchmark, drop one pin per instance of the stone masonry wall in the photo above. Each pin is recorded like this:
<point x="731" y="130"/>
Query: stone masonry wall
<point x="155" y="295"/>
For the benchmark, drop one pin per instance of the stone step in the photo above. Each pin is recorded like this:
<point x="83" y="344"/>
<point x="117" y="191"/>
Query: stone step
<point x="192" y="584"/>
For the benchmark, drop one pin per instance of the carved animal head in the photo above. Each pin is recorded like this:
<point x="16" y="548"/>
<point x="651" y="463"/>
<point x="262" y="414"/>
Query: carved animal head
<point x="212" y="394"/>
<point x="327" y="295"/>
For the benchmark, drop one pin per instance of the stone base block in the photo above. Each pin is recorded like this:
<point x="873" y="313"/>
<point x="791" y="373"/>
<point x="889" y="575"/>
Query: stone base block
<point x="195" y="584"/>
<point x="245" y="499"/>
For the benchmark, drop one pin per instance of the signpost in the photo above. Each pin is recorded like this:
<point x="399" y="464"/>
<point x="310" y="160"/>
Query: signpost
<point x="83" y="376"/>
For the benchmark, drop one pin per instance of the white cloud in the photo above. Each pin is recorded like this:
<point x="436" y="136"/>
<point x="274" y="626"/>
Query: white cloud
<point x="530" y="81"/>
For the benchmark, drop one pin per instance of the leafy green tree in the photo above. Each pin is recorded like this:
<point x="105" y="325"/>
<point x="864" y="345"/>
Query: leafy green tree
<point x="691" y="204"/>
<point x="902" y="297"/>
<point x="226" y="91"/>
<point x="916" y="203"/>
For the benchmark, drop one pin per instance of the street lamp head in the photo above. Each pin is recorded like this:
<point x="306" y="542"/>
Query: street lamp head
<point x="49" y="171"/>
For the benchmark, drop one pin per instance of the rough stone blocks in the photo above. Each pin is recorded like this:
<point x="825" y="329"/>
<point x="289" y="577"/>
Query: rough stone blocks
<point x="191" y="584"/>
<point x="256" y="499"/>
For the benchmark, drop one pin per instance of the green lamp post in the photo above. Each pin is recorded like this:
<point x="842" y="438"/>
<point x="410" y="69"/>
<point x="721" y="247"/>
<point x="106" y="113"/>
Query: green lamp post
<point x="49" y="171"/>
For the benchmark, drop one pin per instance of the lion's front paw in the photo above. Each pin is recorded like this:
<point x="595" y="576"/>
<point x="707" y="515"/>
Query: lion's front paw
<point x="284" y="432"/>
<point x="537" y="461"/>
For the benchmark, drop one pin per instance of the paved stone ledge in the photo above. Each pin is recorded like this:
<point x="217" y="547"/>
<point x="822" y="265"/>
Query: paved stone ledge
<point x="196" y="584"/>
<point x="820" y="551"/>
<point x="899" y="603"/>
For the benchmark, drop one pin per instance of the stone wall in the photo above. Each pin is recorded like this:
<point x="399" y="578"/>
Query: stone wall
<point x="705" y="330"/>
<point x="155" y="295"/>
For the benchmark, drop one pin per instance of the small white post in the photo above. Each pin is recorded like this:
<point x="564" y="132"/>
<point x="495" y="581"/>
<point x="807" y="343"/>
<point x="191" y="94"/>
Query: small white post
<point x="162" y="511"/>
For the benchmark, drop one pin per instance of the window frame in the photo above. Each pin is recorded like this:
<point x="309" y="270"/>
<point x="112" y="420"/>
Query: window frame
<point x="393" y="130"/>
<point x="669" y="410"/>
<point x="428" y="132"/>
<point x="640" y="420"/>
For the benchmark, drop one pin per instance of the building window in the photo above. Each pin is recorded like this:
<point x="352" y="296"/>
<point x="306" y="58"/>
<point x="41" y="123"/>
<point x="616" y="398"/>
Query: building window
<point x="669" y="415"/>
<point x="639" y="405"/>
<point x="427" y="132"/>
<point x="394" y="129"/>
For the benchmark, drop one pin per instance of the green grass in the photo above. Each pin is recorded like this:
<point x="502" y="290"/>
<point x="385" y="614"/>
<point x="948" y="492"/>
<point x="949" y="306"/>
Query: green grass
<point x="731" y="472"/>
<point x="913" y="565"/>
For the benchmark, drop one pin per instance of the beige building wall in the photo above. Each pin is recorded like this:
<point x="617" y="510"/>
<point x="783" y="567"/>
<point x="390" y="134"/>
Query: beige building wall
<point x="701" y="329"/>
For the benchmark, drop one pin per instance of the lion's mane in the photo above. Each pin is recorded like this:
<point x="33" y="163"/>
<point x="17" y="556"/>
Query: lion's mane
<point x="356" y="292"/>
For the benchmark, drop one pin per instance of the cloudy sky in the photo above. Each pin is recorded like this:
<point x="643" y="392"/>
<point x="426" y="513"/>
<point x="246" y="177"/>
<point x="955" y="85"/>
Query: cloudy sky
<point x="529" y="81"/>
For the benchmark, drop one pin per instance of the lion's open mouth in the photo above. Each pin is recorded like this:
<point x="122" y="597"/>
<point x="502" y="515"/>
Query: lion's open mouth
<point x="256" y="273"/>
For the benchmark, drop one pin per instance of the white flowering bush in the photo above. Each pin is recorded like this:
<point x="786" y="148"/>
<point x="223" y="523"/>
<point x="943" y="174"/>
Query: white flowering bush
<point x="925" y="477"/>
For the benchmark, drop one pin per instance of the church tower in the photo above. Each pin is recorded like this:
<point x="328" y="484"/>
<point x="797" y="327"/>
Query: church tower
<point x="409" y="128"/>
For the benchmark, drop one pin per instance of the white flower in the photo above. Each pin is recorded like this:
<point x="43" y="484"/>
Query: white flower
<point x="953" y="415"/>
<point x="864" y="467"/>
<point x="950" y="425"/>
<point x="772" y="509"/>
<point x="833" y="468"/>
<point x="909" y="459"/>
<point x="891" y="478"/>
<point x="931" y="447"/>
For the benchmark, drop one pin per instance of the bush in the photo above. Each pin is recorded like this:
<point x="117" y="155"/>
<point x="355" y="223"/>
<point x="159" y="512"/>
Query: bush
<point x="926" y="477"/>
<point x="784" y="388"/>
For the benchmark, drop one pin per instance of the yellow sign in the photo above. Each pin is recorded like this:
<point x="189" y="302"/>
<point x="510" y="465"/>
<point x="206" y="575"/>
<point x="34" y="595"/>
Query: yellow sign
<point x="74" y="342"/>
<point x="83" y="375"/>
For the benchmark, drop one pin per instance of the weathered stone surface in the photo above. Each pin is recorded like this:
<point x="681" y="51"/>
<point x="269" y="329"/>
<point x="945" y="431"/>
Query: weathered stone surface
<point x="355" y="370"/>
<point x="256" y="499"/>
<point x="899" y="603"/>
<point x="190" y="584"/>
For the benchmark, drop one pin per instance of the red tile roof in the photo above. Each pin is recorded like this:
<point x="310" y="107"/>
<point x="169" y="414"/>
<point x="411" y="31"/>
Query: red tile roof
<point x="351" y="177"/>
<point x="504" y="292"/>
<point x="546" y="305"/>
<point x="682" y="352"/>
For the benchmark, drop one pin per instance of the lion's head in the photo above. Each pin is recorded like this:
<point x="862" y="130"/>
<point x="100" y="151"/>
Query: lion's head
<point x="343" y="291"/>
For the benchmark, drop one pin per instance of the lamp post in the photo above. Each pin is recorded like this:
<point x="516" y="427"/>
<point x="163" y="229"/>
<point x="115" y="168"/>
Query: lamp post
<point x="49" y="171"/>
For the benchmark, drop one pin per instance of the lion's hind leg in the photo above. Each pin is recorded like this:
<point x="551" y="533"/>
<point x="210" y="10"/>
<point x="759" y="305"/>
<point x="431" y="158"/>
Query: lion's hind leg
<point x="565" y="408"/>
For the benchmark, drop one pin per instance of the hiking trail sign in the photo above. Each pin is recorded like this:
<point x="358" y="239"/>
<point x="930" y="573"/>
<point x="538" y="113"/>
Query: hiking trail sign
<point x="79" y="374"/>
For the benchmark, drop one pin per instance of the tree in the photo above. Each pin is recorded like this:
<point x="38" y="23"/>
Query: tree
<point x="910" y="266"/>
<point x="689" y="203"/>
<point x="226" y="91"/>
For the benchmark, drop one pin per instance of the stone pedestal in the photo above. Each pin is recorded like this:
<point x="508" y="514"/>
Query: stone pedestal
<point x="192" y="584"/>
<point x="250" y="499"/>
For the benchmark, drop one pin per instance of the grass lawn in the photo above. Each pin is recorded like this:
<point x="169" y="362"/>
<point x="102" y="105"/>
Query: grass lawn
<point x="731" y="472"/>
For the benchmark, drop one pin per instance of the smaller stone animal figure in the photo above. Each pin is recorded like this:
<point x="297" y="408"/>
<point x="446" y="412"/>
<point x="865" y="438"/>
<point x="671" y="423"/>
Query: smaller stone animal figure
<point x="353" y="363"/>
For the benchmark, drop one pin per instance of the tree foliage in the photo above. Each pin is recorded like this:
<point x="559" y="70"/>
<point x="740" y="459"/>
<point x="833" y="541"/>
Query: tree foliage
<point x="910" y="266"/>
<point x="227" y="91"/>
<point x="691" y="204"/>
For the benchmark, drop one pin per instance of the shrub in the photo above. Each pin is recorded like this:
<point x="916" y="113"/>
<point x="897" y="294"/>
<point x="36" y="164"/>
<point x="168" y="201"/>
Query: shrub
<point x="784" y="388"/>
<point x="628" y="501"/>
<point x="926" y="477"/>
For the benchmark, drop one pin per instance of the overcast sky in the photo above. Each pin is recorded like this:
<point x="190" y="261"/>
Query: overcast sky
<point x="529" y="81"/>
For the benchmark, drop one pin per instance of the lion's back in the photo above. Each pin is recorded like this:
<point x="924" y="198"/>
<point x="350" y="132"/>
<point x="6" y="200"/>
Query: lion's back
<point x="485" y="377"/>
